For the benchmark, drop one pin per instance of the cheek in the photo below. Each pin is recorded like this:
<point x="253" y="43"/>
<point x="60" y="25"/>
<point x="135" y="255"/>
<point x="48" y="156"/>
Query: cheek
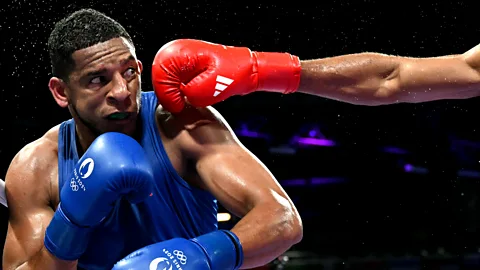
<point x="135" y="85"/>
<point x="89" y="104"/>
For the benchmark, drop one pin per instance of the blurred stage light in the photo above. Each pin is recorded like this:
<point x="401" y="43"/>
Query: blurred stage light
<point x="409" y="168"/>
<point x="283" y="150"/>
<point x="468" y="174"/>
<point x="312" y="181"/>
<point x="395" y="150"/>
<point x="313" y="141"/>
<point x="223" y="217"/>
<point x="245" y="131"/>
<point x="311" y="134"/>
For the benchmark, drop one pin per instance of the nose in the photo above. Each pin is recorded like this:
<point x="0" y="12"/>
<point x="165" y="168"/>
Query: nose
<point x="119" y="91"/>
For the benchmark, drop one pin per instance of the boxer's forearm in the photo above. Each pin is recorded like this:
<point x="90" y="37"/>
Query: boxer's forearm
<point x="356" y="78"/>
<point x="43" y="259"/>
<point x="266" y="232"/>
<point x="379" y="79"/>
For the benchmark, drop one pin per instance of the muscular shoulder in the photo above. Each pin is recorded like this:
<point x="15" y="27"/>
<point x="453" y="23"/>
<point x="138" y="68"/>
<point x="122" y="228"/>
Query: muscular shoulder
<point x="38" y="154"/>
<point x="195" y="129"/>
<point x="32" y="169"/>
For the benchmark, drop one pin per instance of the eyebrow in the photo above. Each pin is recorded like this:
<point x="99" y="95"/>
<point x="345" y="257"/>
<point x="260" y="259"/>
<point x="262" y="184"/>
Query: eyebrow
<point x="104" y="70"/>
<point x="126" y="60"/>
<point x="96" y="72"/>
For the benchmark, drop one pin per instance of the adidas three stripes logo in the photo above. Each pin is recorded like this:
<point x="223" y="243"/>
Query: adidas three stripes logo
<point x="222" y="84"/>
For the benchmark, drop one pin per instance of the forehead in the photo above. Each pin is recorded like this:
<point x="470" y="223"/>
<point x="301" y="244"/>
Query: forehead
<point x="103" y="55"/>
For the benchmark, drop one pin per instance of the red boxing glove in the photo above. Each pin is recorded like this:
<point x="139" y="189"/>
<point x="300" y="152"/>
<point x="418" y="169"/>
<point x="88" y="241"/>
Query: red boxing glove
<point x="206" y="73"/>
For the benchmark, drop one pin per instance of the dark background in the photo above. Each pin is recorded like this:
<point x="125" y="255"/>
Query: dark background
<point x="366" y="211"/>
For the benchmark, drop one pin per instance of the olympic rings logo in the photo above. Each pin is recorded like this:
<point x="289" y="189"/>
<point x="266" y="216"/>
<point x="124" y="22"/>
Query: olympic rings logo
<point x="73" y="185"/>
<point x="180" y="256"/>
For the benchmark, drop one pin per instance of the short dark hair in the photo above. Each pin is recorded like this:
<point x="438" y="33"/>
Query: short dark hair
<point x="80" y="30"/>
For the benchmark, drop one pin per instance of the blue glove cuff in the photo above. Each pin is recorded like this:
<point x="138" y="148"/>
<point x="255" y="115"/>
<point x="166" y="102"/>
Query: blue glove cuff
<point x="64" y="239"/>
<point x="238" y="247"/>
<point x="223" y="248"/>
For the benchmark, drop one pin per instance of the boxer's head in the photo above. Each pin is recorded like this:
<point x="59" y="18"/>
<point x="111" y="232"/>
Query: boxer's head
<point x="96" y="73"/>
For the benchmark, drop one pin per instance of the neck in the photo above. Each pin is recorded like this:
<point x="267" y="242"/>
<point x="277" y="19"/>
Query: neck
<point x="85" y="138"/>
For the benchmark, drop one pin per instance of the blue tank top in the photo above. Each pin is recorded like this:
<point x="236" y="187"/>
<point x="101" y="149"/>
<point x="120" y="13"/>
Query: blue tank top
<point x="175" y="209"/>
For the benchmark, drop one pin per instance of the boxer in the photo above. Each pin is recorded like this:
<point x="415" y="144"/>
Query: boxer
<point x="126" y="184"/>
<point x="206" y="73"/>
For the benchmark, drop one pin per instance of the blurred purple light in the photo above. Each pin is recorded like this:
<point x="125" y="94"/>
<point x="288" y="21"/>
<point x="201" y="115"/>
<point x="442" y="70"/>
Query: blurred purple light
<point x="325" y="180"/>
<point x="312" y="133"/>
<point x="314" y="141"/>
<point x="250" y="133"/>
<point x="414" y="169"/>
<point x="408" y="167"/>
<point x="294" y="182"/>
<point x="394" y="150"/>
<point x="313" y="181"/>
<point x="468" y="173"/>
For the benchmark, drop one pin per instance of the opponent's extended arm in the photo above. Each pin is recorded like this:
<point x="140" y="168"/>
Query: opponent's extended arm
<point x="207" y="73"/>
<point x="28" y="190"/>
<point x="378" y="79"/>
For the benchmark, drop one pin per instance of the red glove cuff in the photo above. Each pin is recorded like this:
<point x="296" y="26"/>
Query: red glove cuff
<point x="278" y="72"/>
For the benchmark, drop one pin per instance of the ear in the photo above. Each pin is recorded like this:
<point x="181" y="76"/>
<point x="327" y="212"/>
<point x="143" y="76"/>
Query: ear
<point x="57" y="88"/>
<point x="140" y="66"/>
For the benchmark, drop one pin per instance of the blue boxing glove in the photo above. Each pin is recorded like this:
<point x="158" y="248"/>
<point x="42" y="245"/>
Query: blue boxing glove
<point x="114" y="165"/>
<point x="219" y="250"/>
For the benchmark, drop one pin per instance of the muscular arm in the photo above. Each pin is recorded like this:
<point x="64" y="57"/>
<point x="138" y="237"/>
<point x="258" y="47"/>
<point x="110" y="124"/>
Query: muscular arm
<point x="270" y="223"/>
<point x="378" y="79"/>
<point x="28" y="194"/>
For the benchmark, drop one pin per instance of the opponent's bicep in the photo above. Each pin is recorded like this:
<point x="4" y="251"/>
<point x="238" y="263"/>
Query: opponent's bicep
<point x="30" y="214"/>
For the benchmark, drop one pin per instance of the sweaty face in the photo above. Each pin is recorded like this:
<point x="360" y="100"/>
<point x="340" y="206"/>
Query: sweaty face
<point x="104" y="88"/>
